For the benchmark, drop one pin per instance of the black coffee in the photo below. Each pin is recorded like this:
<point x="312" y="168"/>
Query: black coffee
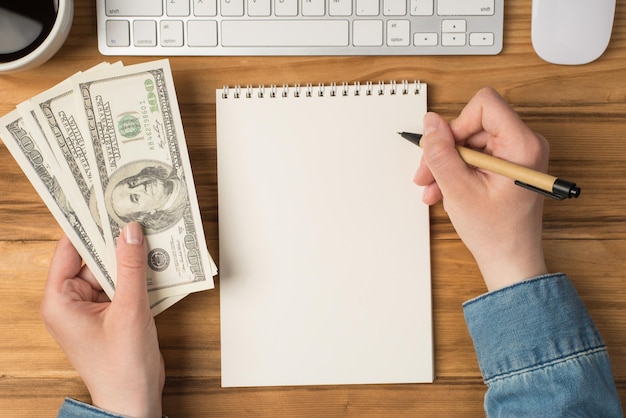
<point x="24" y="24"/>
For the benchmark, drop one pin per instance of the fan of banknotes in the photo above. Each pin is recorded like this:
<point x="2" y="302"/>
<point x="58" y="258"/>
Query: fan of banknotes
<point x="104" y="148"/>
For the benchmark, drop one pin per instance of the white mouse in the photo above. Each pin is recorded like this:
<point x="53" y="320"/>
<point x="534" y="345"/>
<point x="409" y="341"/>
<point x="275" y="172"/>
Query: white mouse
<point x="571" y="31"/>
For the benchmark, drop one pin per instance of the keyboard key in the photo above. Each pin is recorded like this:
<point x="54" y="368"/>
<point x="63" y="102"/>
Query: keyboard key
<point x="457" y="25"/>
<point x="367" y="8"/>
<point x="367" y="33"/>
<point x="398" y="32"/>
<point x="394" y="7"/>
<point x="340" y="8"/>
<point x="202" y="33"/>
<point x="422" y="7"/>
<point x="313" y="8"/>
<point x="259" y="7"/>
<point x="481" y="39"/>
<point x="177" y="7"/>
<point x="118" y="33"/>
<point x="144" y="33"/>
<point x="205" y="7"/>
<point x="231" y="7"/>
<point x="465" y="7"/>
<point x="425" y="39"/>
<point x="453" y="39"/>
<point x="286" y="7"/>
<point x="171" y="33"/>
<point x="285" y="33"/>
<point x="133" y="8"/>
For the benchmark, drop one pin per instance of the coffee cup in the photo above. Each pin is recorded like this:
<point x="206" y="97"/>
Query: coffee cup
<point x="32" y="31"/>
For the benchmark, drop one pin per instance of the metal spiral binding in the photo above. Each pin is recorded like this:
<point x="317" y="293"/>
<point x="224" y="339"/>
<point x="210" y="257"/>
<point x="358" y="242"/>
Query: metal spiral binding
<point x="321" y="90"/>
<point x="345" y="89"/>
<point x="333" y="89"/>
<point x="393" y="85"/>
<point x="381" y="88"/>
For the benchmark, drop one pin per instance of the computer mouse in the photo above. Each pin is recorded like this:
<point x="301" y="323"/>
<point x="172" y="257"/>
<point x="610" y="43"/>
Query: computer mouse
<point x="571" y="32"/>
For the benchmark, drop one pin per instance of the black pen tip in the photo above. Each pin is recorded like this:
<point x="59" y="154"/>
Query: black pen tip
<point x="411" y="137"/>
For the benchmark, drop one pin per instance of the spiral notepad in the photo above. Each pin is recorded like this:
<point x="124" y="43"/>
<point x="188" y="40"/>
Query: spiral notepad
<point x="324" y="240"/>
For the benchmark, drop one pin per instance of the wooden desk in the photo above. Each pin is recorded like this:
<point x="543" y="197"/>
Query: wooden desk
<point x="581" y="110"/>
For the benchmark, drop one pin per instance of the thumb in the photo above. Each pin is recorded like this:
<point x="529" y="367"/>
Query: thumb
<point x="131" y="289"/>
<point x="441" y="156"/>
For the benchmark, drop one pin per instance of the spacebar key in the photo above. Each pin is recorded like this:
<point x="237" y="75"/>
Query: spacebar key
<point x="287" y="33"/>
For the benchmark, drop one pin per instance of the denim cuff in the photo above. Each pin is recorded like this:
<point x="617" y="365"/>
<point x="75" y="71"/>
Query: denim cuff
<point x="72" y="408"/>
<point x="529" y="325"/>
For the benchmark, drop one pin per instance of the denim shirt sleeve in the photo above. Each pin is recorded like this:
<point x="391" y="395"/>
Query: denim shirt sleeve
<point x="72" y="408"/>
<point x="540" y="353"/>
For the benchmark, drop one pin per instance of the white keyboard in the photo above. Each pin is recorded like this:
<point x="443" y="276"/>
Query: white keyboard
<point x="300" y="27"/>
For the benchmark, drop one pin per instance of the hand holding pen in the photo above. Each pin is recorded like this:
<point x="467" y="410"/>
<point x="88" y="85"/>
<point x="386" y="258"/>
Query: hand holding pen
<point x="500" y="224"/>
<point x="528" y="178"/>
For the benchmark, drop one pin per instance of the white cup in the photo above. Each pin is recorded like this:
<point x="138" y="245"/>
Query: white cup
<point x="31" y="34"/>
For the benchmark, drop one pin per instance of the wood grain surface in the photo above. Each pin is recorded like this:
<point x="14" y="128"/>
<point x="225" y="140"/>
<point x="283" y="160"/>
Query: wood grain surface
<point x="580" y="109"/>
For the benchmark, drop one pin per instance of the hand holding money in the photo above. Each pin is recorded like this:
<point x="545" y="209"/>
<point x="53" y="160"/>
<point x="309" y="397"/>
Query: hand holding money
<point x="127" y="374"/>
<point x="104" y="148"/>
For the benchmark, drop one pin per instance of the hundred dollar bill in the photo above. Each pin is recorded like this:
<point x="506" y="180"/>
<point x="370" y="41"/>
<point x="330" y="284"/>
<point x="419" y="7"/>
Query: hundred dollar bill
<point x="141" y="172"/>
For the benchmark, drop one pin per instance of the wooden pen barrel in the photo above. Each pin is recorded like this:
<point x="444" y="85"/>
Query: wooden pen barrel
<point x="511" y="170"/>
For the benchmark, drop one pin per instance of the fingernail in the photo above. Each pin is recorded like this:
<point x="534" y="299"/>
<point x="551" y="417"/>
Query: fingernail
<point x="431" y="122"/>
<point x="133" y="233"/>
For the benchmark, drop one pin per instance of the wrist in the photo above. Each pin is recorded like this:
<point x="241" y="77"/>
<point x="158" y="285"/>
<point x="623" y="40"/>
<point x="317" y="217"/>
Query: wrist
<point x="131" y="406"/>
<point x="499" y="272"/>
<point x="133" y="411"/>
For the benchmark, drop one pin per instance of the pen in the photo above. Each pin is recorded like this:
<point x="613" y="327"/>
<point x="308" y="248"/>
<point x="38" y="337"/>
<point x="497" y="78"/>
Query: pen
<point x="528" y="178"/>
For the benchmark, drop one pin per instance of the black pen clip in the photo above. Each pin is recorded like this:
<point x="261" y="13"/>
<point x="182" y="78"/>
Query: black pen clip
<point x="555" y="196"/>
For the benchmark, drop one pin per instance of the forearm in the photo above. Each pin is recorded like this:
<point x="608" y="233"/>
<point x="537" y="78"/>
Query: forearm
<point x="540" y="352"/>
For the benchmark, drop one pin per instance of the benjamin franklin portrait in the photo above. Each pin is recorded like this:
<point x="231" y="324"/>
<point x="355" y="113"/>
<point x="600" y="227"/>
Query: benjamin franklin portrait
<point x="148" y="192"/>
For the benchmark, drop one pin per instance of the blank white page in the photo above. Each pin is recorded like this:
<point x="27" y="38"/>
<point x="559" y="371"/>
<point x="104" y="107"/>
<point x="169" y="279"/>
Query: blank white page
<point x="324" y="242"/>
